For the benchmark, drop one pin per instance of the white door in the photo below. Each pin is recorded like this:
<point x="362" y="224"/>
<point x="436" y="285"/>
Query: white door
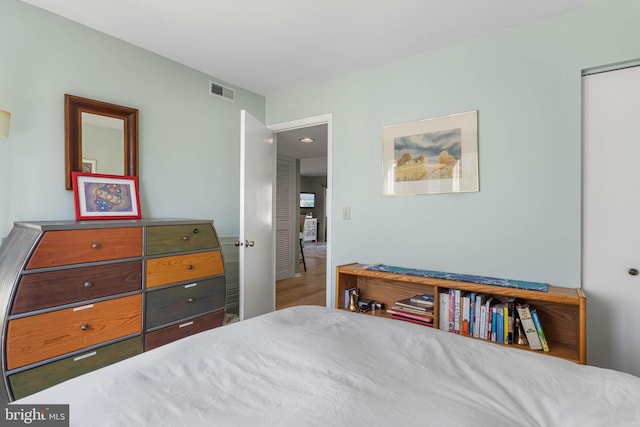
<point x="611" y="218"/>
<point x="257" y="190"/>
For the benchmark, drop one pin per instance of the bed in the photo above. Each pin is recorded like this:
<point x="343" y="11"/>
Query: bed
<point x="317" y="366"/>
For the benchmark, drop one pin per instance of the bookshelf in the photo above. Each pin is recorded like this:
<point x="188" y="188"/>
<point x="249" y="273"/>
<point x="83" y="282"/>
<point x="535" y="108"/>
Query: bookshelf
<point x="562" y="310"/>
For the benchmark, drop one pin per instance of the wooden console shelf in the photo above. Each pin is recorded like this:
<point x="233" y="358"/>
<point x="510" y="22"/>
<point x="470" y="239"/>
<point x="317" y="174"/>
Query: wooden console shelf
<point x="562" y="310"/>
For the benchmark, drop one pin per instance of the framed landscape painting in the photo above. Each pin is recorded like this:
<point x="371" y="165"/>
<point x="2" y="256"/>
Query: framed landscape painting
<point x="431" y="156"/>
<point x="98" y="196"/>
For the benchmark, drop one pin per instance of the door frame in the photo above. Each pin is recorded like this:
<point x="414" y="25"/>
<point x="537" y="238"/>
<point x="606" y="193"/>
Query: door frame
<point x="303" y="123"/>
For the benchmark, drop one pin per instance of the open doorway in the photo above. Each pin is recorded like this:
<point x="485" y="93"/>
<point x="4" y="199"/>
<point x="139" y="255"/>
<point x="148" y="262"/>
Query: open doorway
<point x="303" y="199"/>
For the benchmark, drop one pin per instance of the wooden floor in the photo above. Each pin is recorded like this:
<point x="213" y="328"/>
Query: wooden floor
<point x="310" y="287"/>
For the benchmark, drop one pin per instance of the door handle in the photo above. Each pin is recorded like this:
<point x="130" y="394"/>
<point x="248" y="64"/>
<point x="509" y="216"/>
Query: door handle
<point x="249" y="243"/>
<point x="633" y="271"/>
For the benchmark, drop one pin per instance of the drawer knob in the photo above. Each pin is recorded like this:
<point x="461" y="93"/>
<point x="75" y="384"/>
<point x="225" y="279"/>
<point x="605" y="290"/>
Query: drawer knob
<point x="189" y="267"/>
<point x="95" y="245"/>
<point x="195" y="231"/>
<point x="88" y="284"/>
<point x="84" y="327"/>
<point x="185" y="238"/>
<point x="190" y="299"/>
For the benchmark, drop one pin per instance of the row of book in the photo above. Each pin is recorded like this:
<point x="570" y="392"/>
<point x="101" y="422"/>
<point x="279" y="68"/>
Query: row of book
<point x="486" y="317"/>
<point x="416" y="309"/>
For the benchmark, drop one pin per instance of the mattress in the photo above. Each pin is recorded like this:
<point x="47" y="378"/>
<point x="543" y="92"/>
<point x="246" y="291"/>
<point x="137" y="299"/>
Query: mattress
<point x="317" y="366"/>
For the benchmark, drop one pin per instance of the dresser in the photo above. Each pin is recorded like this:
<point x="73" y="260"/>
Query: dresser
<point x="76" y="296"/>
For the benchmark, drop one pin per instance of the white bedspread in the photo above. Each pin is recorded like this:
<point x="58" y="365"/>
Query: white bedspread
<point x="313" y="366"/>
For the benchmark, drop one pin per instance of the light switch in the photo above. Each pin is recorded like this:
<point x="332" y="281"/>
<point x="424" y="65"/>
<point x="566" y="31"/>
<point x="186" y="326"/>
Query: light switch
<point x="346" y="212"/>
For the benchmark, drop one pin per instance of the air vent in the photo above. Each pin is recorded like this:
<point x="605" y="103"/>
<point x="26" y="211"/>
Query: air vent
<point x="222" y="91"/>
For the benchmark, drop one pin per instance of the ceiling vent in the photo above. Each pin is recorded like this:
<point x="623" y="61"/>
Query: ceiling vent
<point x="222" y="91"/>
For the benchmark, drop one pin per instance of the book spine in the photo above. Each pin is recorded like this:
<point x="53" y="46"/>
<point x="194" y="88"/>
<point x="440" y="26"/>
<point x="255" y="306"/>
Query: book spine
<point x="494" y="324"/>
<point x="510" y="327"/>
<point x="505" y="324"/>
<point x="452" y="305"/>
<point x="538" y="326"/>
<point x="483" y="322"/>
<point x="529" y="327"/>
<point x="472" y="314"/>
<point x="477" y="328"/>
<point x="444" y="311"/>
<point x="410" y="315"/>
<point x="499" y="325"/>
<point x="464" y="325"/>
<point x="456" y="311"/>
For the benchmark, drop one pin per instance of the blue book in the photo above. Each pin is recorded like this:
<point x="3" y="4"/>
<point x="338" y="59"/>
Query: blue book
<point x="494" y="320"/>
<point x="538" y="325"/>
<point x="499" y="323"/>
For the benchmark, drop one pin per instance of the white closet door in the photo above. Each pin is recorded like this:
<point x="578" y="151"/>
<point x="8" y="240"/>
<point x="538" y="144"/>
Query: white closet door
<point x="611" y="218"/>
<point x="286" y="236"/>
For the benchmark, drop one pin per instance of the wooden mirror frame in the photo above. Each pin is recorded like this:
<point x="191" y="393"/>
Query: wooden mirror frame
<point x="74" y="106"/>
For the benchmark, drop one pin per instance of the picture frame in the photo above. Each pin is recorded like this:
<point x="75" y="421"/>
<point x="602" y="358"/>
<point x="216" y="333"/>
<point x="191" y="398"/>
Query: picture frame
<point x="100" y="196"/>
<point x="431" y="156"/>
<point x="89" y="165"/>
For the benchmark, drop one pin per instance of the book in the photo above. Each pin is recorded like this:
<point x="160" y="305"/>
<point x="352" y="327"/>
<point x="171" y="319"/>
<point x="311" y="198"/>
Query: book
<point x="499" y="320"/>
<point x="412" y="310"/>
<point x="408" y="302"/>
<point x="488" y="304"/>
<point x="421" y="317"/>
<point x="472" y="315"/>
<point x="483" y="322"/>
<point x="511" y="305"/>
<point x="494" y="323"/>
<point x="477" y="329"/>
<point x="444" y="311"/>
<point x="465" y="307"/>
<point x="425" y="299"/>
<point x="528" y="326"/>
<point x="452" y="303"/>
<point x="538" y="325"/>
<point x="456" y="310"/>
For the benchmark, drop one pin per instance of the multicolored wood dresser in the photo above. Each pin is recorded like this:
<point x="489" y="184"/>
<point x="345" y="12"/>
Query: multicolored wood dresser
<point x="79" y="295"/>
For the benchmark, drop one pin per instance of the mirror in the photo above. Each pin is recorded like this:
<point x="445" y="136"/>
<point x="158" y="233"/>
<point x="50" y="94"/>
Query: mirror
<point x="99" y="138"/>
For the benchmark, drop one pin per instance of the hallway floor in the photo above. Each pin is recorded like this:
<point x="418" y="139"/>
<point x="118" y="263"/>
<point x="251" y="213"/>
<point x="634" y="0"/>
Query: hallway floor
<point x="310" y="287"/>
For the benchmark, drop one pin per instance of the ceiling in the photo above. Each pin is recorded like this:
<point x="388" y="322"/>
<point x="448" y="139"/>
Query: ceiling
<point x="313" y="156"/>
<point x="271" y="46"/>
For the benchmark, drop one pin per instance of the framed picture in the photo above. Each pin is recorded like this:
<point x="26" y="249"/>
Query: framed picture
<point x="438" y="155"/>
<point x="89" y="165"/>
<point x="98" y="196"/>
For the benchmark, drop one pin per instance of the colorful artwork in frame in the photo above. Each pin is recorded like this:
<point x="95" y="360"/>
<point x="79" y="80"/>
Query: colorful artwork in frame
<point x="438" y="155"/>
<point x="98" y="196"/>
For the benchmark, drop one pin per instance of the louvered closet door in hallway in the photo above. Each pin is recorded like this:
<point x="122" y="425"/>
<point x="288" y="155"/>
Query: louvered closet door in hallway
<point x="286" y="234"/>
<point x="611" y="218"/>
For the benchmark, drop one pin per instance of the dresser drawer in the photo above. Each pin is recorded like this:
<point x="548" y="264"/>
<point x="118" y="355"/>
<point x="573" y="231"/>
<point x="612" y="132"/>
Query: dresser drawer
<point x="80" y="246"/>
<point x="180" y="238"/>
<point x="182" y="301"/>
<point x="43" y="290"/>
<point x="36" y="338"/>
<point x="36" y="379"/>
<point x="181" y="268"/>
<point x="172" y="333"/>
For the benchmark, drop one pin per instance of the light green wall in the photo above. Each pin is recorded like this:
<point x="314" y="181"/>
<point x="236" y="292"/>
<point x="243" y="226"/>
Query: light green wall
<point x="525" y="223"/>
<point x="189" y="140"/>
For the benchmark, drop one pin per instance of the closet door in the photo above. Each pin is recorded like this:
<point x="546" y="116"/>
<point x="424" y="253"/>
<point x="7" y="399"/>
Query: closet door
<point x="611" y="218"/>
<point x="286" y="230"/>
